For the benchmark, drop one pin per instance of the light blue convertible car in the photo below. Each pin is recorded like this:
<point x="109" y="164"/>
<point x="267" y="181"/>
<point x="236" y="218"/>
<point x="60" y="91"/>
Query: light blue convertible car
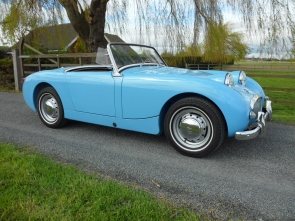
<point x="137" y="91"/>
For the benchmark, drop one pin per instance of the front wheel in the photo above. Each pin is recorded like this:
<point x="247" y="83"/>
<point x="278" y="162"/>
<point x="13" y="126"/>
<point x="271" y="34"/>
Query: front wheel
<point x="50" y="109"/>
<point x="194" y="127"/>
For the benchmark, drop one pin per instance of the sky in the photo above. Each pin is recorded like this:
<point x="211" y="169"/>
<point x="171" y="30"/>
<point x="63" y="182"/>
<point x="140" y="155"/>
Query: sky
<point x="253" y="39"/>
<point x="131" y="36"/>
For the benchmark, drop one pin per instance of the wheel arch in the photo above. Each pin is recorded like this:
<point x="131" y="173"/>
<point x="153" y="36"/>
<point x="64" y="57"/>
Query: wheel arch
<point x="178" y="97"/>
<point x="37" y="89"/>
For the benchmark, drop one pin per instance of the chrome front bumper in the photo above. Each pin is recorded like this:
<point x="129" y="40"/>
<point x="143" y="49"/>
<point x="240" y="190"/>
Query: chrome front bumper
<point x="257" y="128"/>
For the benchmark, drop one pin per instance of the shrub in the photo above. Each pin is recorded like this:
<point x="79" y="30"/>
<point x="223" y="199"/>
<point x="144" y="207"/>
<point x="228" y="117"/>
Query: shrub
<point x="3" y="52"/>
<point x="181" y="61"/>
<point x="6" y="74"/>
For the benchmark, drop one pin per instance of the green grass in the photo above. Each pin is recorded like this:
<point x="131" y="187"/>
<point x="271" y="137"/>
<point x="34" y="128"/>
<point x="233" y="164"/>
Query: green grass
<point x="33" y="187"/>
<point x="283" y="101"/>
<point x="276" y="73"/>
<point x="269" y="67"/>
<point x="4" y="89"/>
<point x="284" y="114"/>
<point x="265" y="63"/>
<point x="276" y="82"/>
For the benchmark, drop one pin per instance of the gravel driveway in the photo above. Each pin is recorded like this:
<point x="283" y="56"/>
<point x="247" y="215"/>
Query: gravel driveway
<point x="252" y="180"/>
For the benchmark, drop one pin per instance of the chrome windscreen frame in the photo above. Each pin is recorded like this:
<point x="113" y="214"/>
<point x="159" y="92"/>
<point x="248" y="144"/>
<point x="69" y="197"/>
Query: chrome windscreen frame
<point x="113" y="61"/>
<point x="115" y="68"/>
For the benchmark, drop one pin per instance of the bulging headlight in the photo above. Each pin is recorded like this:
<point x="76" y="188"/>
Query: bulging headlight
<point x="242" y="78"/>
<point x="256" y="104"/>
<point x="229" y="80"/>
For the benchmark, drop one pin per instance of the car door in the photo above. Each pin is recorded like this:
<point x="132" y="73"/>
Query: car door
<point x="92" y="91"/>
<point x="143" y="92"/>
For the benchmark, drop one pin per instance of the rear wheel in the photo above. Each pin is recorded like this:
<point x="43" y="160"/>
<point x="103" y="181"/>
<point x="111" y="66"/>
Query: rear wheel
<point x="194" y="127"/>
<point x="50" y="109"/>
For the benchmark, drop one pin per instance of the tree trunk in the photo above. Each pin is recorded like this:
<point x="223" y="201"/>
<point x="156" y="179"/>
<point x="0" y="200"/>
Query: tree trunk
<point x="97" y="14"/>
<point x="77" y="18"/>
<point x="91" y="31"/>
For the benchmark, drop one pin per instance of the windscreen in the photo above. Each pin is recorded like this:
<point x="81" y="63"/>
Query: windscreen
<point x="135" y="54"/>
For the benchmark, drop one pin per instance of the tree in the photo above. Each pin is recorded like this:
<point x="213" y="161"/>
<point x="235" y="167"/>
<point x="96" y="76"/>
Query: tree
<point x="88" y="21"/>
<point x="191" y="50"/>
<point x="291" y="55"/>
<point x="221" y="45"/>
<point x="178" y="21"/>
<point x="3" y="51"/>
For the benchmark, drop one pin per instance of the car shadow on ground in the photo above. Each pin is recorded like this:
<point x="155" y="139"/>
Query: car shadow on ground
<point x="229" y="148"/>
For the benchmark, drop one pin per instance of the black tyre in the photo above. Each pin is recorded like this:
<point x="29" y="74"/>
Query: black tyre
<point x="50" y="109"/>
<point x="194" y="127"/>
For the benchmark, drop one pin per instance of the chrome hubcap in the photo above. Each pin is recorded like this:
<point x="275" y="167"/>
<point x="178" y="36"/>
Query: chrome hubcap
<point x="191" y="128"/>
<point x="49" y="108"/>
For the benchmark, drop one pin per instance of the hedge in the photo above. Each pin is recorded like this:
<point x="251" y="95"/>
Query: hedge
<point x="181" y="61"/>
<point x="6" y="74"/>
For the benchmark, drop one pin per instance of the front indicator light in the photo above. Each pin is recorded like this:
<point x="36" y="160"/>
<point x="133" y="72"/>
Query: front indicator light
<point x="252" y="115"/>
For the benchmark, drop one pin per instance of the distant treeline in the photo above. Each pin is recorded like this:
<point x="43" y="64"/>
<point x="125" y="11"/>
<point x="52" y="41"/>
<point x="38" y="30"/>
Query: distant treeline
<point x="182" y="61"/>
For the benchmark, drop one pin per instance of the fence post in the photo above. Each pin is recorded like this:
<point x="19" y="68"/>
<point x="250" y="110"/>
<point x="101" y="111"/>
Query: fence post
<point x="21" y="52"/>
<point x="17" y="70"/>
<point x="39" y="64"/>
<point x="58" y="62"/>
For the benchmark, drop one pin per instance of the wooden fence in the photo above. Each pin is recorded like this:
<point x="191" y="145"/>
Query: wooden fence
<point x="278" y="67"/>
<point x="23" y="68"/>
<point x="23" y="65"/>
<point x="55" y="61"/>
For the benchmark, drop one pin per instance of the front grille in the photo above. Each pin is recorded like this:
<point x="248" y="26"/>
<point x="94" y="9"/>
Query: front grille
<point x="256" y="104"/>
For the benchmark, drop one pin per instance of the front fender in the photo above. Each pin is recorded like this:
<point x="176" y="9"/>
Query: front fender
<point x="232" y="104"/>
<point x="145" y="96"/>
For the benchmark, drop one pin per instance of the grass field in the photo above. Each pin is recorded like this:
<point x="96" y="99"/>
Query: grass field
<point x="272" y="66"/>
<point x="34" y="187"/>
<point x="280" y="87"/>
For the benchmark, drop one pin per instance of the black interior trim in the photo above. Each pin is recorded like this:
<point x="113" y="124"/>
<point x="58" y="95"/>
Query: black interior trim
<point x="89" y="69"/>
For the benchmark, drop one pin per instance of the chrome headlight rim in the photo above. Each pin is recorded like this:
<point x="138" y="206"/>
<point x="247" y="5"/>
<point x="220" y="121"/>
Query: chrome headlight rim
<point x="255" y="105"/>
<point x="229" y="80"/>
<point x="242" y="78"/>
<point x="254" y="99"/>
